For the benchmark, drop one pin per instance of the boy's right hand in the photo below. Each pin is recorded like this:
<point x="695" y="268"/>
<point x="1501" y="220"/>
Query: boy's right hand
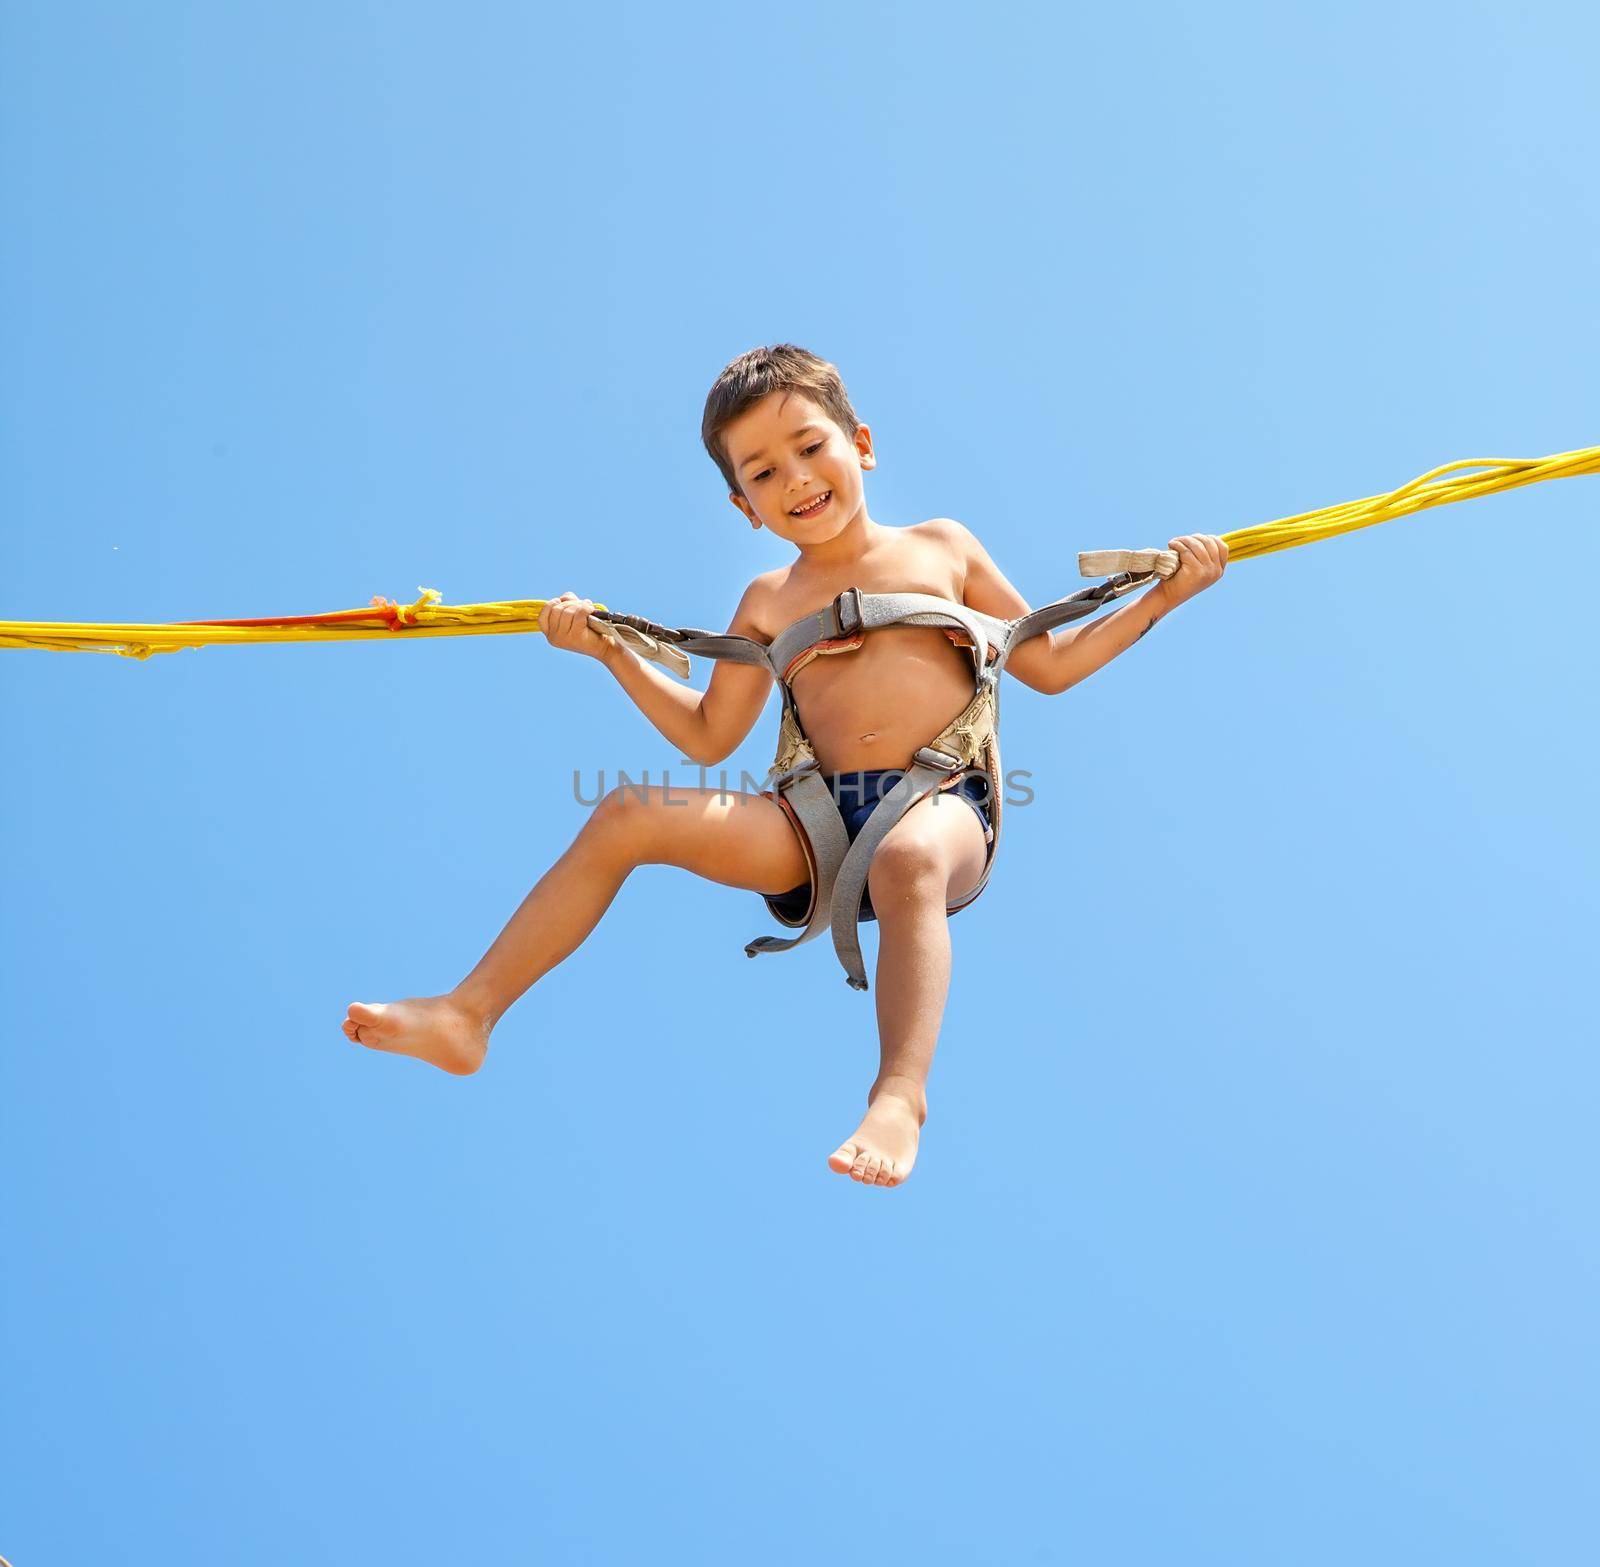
<point x="565" y="621"/>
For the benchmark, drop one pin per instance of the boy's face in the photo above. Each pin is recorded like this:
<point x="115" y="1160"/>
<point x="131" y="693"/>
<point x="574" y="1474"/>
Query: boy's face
<point x="787" y="453"/>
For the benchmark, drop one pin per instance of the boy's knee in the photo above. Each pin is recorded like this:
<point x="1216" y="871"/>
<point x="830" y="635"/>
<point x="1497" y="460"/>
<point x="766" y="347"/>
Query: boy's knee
<point x="623" y="812"/>
<point x="905" y="862"/>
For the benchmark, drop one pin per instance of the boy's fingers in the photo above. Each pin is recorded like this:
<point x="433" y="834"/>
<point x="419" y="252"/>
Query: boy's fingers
<point x="1203" y="549"/>
<point x="565" y="621"/>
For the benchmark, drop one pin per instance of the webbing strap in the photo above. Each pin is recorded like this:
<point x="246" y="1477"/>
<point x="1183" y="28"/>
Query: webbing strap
<point x="1074" y="607"/>
<point x="854" y="611"/>
<point x="669" y="645"/>
<point x="737" y="650"/>
<point x="812" y="802"/>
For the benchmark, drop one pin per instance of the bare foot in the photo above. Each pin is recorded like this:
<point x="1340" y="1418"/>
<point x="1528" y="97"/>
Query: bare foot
<point x="881" y="1151"/>
<point x="431" y="1028"/>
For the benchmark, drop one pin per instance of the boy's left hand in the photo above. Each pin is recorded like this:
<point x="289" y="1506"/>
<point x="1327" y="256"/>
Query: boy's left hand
<point x="1201" y="558"/>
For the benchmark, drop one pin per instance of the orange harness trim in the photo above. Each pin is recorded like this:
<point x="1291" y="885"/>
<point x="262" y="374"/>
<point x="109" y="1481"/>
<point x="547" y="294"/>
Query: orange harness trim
<point x="799" y="661"/>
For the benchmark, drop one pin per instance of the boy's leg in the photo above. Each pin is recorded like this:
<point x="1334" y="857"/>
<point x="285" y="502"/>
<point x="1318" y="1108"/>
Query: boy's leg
<point x="740" y="840"/>
<point x="933" y="854"/>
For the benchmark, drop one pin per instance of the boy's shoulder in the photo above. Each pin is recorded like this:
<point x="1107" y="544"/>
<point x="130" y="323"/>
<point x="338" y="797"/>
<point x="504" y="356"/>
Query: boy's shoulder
<point x="957" y="535"/>
<point x="956" y="539"/>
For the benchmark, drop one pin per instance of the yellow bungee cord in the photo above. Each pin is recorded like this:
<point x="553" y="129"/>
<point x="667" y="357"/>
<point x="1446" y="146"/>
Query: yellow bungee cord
<point x="430" y="617"/>
<point x="1427" y="490"/>
<point x="1430" y="489"/>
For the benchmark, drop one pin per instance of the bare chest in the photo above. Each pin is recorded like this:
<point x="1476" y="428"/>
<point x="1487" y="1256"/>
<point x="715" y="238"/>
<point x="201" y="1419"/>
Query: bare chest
<point x="910" y="565"/>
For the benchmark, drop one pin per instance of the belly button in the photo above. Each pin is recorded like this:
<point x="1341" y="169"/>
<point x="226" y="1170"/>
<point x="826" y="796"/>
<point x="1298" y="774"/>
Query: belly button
<point x="872" y="736"/>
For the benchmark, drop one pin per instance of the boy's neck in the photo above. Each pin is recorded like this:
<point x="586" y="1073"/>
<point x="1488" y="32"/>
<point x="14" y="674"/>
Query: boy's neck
<point x="846" y="548"/>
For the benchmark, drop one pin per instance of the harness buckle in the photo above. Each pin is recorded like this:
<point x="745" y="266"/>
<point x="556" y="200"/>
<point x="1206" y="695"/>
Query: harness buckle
<point x="847" y="612"/>
<point x="942" y="761"/>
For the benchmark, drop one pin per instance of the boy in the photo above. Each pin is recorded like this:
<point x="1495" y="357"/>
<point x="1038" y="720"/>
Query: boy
<point x="780" y="427"/>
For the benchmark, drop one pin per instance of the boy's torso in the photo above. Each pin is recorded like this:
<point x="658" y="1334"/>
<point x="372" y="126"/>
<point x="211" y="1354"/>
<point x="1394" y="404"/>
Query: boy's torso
<point x="875" y="706"/>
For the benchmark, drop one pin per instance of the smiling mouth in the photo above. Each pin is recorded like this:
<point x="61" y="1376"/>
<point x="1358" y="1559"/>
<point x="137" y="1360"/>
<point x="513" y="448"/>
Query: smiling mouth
<point x="813" y="507"/>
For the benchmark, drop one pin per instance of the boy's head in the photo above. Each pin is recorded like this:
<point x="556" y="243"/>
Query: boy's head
<point x="779" y="426"/>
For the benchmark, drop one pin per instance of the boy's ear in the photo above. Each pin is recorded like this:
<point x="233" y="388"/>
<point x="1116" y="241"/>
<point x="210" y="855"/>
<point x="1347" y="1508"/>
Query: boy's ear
<point x="744" y="506"/>
<point x="864" y="447"/>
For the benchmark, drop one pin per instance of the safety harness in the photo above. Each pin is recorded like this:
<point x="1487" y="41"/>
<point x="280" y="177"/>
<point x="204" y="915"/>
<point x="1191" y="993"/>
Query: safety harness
<point x="968" y="745"/>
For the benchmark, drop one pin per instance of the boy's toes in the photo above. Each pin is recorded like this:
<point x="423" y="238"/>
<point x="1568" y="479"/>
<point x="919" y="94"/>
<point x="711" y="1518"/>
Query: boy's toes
<point x="869" y="1166"/>
<point x="363" y="1016"/>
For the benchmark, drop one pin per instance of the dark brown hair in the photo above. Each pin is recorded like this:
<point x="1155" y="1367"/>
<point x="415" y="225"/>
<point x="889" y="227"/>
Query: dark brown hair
<point x="757" y="374"/>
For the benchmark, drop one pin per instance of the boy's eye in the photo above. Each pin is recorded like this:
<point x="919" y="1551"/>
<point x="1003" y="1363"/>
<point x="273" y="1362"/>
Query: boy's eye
<point x="816" y="446"/>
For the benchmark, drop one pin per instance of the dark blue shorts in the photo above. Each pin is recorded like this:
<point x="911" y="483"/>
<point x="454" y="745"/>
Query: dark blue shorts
<point x="857" y="795"/>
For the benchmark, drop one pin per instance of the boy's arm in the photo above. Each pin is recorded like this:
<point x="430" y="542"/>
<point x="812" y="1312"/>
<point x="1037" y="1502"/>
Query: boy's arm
<point x="1055" y="660"/>
<point x="706" y="727"/>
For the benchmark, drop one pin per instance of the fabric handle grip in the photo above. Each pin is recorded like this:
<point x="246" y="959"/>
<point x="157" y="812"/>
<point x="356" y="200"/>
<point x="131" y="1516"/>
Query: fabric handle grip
<point x="1107" y="563"/>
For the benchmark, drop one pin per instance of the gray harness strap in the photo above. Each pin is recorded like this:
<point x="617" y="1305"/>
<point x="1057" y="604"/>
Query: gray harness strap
<point x="1074" y="607"/>
<point x="828" y="843"/>
<point x="708" y="644"/>
<point x="840" y="867"/>
<point x="854" y="612"/>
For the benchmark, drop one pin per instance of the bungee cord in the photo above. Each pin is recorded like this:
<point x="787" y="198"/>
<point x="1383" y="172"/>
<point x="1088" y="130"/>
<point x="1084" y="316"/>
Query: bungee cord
<point x="429" y="616"/>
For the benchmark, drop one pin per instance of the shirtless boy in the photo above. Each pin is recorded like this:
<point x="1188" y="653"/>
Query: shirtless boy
<point x="780" y="428"/>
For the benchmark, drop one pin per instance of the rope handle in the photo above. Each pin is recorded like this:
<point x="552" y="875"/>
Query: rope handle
<point x="1107" y="563"/>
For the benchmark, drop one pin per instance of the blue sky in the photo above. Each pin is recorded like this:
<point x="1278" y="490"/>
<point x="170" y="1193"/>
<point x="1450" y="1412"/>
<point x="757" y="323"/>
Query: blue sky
<point x="1254" y="1215"/>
